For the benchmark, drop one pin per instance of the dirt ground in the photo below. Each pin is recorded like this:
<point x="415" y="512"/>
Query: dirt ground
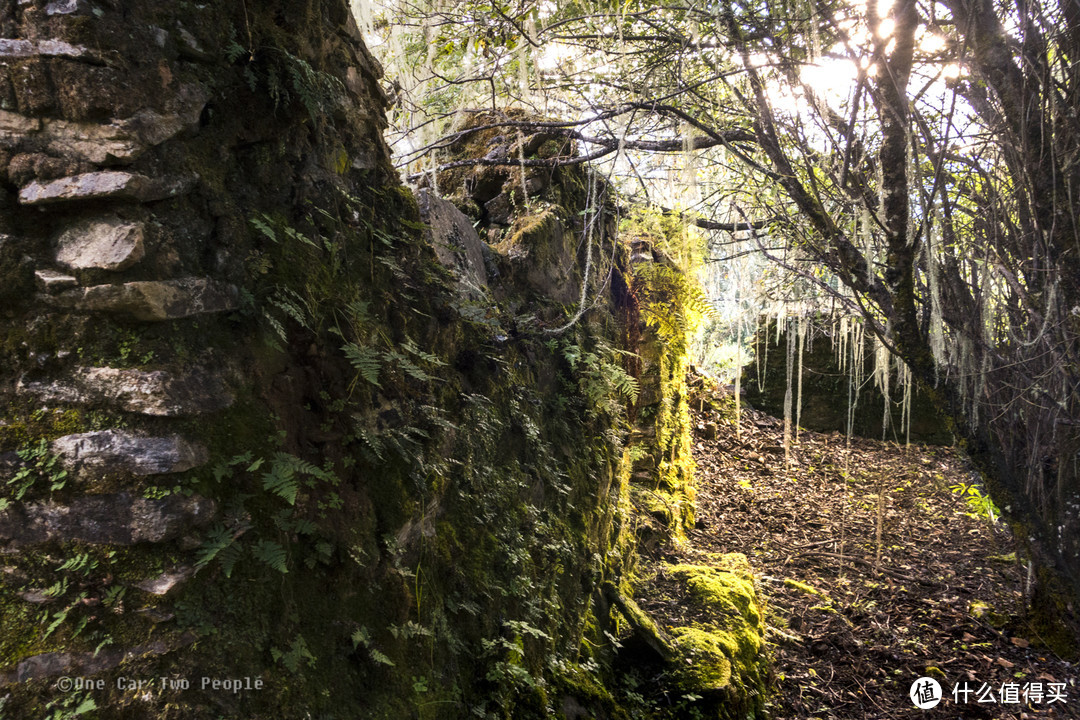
<point x="877" y="566"/>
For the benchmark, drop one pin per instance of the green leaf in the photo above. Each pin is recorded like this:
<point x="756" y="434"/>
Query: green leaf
<point x="281" y="480"/>
<point x="365" y="360"/>
<point x="272" y="554"/>
<point x="84" y="707"/>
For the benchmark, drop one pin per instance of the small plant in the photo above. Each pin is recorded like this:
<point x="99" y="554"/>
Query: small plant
<point x="38" y="465"/>
<point x="297" y="655"/>
<point x="980" y="505"/>
<point x="362" y="637"/>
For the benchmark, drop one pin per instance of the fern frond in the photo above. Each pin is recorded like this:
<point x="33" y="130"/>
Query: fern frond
<point x="272" y="554"/>
<point x="366" y="361"/>
<point x="281" y="480"/>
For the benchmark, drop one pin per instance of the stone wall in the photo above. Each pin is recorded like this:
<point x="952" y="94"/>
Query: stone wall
<point x="257" y="420"/>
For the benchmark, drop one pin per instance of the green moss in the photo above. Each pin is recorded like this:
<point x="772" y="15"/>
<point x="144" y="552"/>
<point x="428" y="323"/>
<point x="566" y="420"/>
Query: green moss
<point x="721" y="656"/>
<point x="576" y="688"/>
<point x="1053" y="618"/>
<point x="705" y="659"/>
<point x="984" y="611"/>
<point x="727" y="588"/>
<point x="803" y="587"/>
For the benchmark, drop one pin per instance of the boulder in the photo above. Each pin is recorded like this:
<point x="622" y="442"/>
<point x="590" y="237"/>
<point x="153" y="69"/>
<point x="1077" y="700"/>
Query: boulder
<point x="158" y="393"/>
<point x="115" y="519"/>
<point x="106" y="243"/>
<point x="153" y="300"/>
<point x="105" y="185"/>
<point x="108" y="452"/>
<point x="456" y="243"/>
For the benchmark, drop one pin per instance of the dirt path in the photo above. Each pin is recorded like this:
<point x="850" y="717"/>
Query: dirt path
<point x="857" y="619"/>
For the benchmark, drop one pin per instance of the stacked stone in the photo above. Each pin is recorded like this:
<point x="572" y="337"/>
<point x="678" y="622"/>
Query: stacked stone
<point x="90" y="164"/>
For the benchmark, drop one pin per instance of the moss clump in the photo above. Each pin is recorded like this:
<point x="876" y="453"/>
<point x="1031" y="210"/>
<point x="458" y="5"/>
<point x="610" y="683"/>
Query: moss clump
<point x="721" y="658"/>
<point x="803" y="587"/>
<point x="983" y="611"/>
<point x="580" y="694"/>
<point x="726" y="588"/>
<point x="705" y="662"/>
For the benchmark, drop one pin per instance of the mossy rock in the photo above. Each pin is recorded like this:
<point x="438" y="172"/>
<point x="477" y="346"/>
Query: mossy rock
<point x="726" y="588"/>
<point x="721" y="659"/>
<point x="704" y="662"/>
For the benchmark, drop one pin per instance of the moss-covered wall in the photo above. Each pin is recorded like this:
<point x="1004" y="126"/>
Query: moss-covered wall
<point x="252" y="428"/>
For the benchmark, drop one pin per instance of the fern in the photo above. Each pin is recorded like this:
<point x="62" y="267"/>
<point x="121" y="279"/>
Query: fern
<point x="277" y="327"/>
<point x="272" y="554"/>
<point x="281" y="480"/>
<point x="261" y="223"/>
<point x="372" y="440"/>
<point x="624" y="382"/>
<point x="365" y="361"/>
<point x="290" y="307"/>
<point x="218" y="541"/>
<point x="361" y="637"/>
<point x="296" y="654"/>
<point x="411" y="348"/>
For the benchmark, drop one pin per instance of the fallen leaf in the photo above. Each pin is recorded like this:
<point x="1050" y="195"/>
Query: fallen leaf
<point x="1005" y="663"/>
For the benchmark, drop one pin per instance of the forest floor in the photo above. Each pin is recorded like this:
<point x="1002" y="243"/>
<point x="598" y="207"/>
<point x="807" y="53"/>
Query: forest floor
<point x="876" y="566"/>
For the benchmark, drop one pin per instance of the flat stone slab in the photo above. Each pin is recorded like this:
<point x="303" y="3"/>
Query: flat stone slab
<point x="51" y="281"/>
<point x="105" y="185"/>
<point x="106" y="452"/>
<point x="115" y="519"/>
<point x="153" y="300"/>
<point x="107" y="243"/>
<point x="83" y="664"/>
<point x="15" y="49"/>
<point x="115" y="143"/>
<point x="158" y="392"/>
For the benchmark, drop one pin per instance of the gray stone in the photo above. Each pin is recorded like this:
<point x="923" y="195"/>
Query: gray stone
<point x="158" y="393"/>
<point x="9" y="465"/>
<point x="13" y="49"/>
<point x="115" y="519"/>
<point x="65" y="7"/>
<point x="93" y="142"/>
<point x="118" y="142"/>
<point x="108" y="452"/>
<point x="51" y="281"/>
<point x="108" y="243"/>
<point x="456" y="243"/>
<point x="104" y="185"/>
<point x="89" y="663"/>
<point x="17" y="125"/>
<point x="36" y="596"/>
<point x="153" y="300"/>
<point x="499" y="209"/>
<point x="165" y="582"/>
<point x="189" y="46"/>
